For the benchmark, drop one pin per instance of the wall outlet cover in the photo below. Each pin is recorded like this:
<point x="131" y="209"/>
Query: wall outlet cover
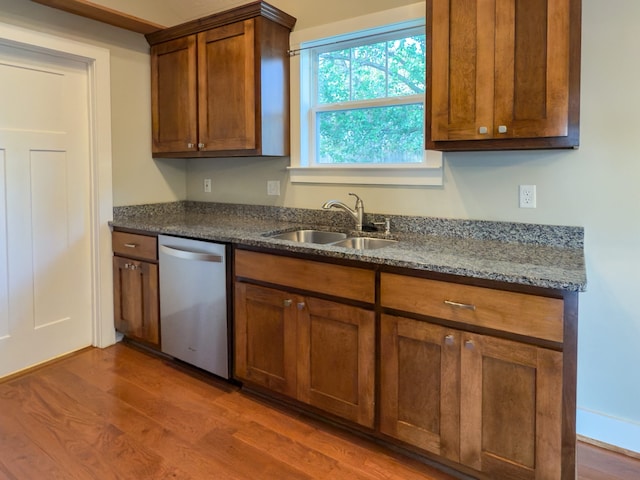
<point x="527" y="196"/>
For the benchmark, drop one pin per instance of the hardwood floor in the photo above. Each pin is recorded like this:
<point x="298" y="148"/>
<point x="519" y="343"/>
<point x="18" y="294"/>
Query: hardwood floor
<point x="121" y="413"/>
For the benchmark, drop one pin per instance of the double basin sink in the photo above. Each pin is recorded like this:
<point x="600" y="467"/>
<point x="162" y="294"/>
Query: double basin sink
<point x="335" y="239"/>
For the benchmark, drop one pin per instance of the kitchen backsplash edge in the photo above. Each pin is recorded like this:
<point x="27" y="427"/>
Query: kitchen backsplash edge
<point x="526" y="233"/>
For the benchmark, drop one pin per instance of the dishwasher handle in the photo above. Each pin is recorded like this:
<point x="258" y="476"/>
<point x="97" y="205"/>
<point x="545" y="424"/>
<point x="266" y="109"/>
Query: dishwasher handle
<point x="189" y="255"/>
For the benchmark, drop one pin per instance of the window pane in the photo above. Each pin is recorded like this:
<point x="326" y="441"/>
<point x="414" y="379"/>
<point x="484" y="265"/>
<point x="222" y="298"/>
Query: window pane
<point x="334" y="72"/>
<point x="369" y="74"/>
<point x="407" y="66"/>
<point x="390" y="134"/>
<point x="385" y="69"/>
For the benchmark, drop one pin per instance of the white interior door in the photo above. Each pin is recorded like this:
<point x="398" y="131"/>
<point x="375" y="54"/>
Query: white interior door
<point x="45" y="199"/>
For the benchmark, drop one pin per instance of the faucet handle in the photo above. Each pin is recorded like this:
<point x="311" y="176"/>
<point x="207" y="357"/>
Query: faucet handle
<point x="358" y="200"/>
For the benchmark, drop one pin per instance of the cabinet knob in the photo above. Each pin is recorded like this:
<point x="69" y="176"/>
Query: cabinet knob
<point x="468" y="344"/>
<point x="301" y="306"/>
<point x="190" y="145"/>
<point x="483" y="130"/>
<point x="502" y="129"/>
<point x="288" y="302"/>
<point x="201" y="145"/>
<point x="448" y="340"/>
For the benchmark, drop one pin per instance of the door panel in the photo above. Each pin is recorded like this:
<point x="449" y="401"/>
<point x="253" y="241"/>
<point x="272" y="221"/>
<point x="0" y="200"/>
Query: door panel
<point x="227" y="92"/>
<point x="532" y="67"/>
<point x="46" y="275"/>
<point x="174" y="90"/>
<point x="419" y="394"/>
<point x="511" y="404"/>
<point x="265" y="337"/>
<point x="336" y="358"/>
<point x="50" y="247"/>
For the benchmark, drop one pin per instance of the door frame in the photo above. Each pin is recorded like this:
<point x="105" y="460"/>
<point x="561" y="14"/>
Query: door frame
<point x="97" y="60"/>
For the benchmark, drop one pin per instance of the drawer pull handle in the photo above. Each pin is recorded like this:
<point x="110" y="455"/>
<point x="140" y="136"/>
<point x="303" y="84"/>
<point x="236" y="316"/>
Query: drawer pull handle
<point x="130" y="245"/>
<point x="465" y="306"/>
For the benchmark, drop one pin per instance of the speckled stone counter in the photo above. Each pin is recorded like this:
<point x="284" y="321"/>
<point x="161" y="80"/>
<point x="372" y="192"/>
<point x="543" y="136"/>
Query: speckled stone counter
<point x="537" y="255"/>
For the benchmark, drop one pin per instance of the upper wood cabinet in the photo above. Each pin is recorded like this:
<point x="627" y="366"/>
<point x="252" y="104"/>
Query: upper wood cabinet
<point x="220" y="85"/>
<point x="503" y="74"/>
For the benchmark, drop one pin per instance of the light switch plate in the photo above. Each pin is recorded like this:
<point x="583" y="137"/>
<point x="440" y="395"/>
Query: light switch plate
<point x="273" y="187"/>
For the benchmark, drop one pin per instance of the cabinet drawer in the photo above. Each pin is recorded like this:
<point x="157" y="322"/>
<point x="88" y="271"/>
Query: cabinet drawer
<point x="347" y="282"/>
<point x="134" y="245"/>
<point x="519" y="313"/>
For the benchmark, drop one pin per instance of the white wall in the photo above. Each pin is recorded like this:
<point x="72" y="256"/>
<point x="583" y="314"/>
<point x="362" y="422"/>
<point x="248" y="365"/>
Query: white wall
<point x="137" y="178"/>
<point x="596" y="187"/>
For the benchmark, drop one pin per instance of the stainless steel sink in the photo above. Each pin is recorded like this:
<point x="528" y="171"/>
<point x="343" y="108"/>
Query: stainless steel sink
<point x="310" y="236"/>
<point x="364" y="243"/>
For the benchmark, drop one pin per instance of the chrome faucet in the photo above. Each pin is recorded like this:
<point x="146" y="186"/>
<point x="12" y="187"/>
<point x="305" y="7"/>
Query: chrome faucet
<point x="357" y="213"/>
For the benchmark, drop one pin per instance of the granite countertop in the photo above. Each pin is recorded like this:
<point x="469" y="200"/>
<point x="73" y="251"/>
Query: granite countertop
<point x="527" y="254"/>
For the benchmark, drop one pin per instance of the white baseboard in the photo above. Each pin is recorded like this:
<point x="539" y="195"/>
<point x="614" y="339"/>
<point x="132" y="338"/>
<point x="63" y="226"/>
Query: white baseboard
<point x="609" y="430"/>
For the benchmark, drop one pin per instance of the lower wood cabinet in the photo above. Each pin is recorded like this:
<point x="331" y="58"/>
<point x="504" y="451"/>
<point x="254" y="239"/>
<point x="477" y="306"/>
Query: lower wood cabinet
<point x="266" y="327"/>
<point x="510" y="408"/>
<point x="336" y="359"/>
<point x="480" y="378"/>
<point x="420" y="385"/>
<point x="317" y="351"/>
<point x="502" y="405"/>
<point x="491" y="404"/>
<point x="135" y="287"/>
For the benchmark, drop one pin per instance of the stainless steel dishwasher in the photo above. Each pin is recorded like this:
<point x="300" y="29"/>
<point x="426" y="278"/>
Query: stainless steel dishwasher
<point x="193" y="302"/>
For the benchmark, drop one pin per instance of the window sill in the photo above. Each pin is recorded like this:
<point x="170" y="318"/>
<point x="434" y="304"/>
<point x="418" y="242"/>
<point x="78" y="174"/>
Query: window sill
<point x="367" y="175"/>
<point x="430" y="173"/>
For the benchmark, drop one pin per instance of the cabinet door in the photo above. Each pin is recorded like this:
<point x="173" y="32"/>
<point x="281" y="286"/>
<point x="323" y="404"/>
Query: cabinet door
<point x="462" y="69"/>
<point x="227" y="88"/>
<point x="265" y="337"/>
<point x="174" y="96"/>
<point x="532" y="68"/>
<point x="419" y="385"/>
<point x="336" y="359"/>
<point x="511" y="408"/>
<point x="136" y="299"/>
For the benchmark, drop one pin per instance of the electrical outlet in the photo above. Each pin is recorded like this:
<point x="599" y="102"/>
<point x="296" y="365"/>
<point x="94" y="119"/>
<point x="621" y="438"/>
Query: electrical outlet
<point x="207" y="185"/>
<point x="527" y="196"/>
<point x="273" y="187"/>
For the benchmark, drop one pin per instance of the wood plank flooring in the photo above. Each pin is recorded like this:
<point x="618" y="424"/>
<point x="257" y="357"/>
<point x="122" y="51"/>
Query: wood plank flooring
<point x="121" y="413"/>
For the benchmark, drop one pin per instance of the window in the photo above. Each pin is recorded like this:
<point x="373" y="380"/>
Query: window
<point x="359" y="88"/>
<point x="367" y="101"/>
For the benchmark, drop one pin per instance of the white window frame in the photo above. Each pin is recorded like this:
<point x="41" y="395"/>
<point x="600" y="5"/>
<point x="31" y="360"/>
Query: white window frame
<point x="303" y="169"/>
